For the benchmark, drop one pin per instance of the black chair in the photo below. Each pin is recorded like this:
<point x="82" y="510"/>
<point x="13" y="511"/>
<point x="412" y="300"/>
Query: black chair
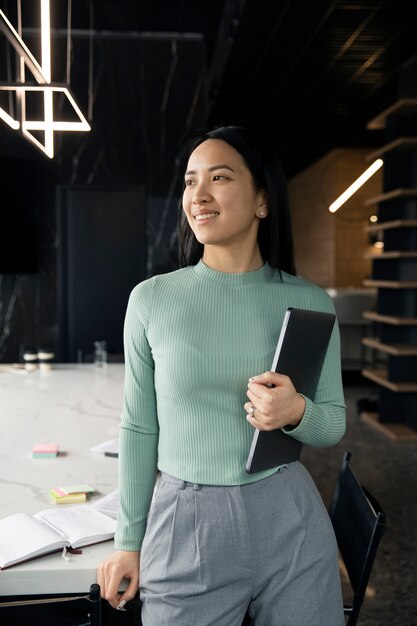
<point x="359" y="522"/>
<point x="42" y="611"/>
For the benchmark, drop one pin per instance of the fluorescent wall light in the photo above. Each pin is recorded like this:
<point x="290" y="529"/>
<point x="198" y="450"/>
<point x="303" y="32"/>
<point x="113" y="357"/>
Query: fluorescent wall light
<point x="356" y="185"/>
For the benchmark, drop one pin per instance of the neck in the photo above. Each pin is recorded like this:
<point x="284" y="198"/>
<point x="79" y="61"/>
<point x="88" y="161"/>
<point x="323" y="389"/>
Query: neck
<point x="232" y="261"/>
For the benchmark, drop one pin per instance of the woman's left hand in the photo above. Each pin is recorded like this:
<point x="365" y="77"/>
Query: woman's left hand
<point x="276" y="402"/>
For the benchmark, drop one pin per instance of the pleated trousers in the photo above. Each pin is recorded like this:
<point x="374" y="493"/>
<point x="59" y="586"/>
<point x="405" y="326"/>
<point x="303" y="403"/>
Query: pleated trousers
<point x="212" y="552"/>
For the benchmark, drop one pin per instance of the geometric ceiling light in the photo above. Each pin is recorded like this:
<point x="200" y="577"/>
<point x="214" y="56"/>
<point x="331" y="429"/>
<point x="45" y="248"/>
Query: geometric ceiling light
<point x="44" y="88"/>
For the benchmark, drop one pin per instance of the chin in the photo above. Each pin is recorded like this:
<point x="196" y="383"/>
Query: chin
<point x="201" y="238"/>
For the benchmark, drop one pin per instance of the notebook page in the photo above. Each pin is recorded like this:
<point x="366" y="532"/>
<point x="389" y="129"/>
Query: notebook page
<point x="81" y="524"/>
<point x="22" y="537"/>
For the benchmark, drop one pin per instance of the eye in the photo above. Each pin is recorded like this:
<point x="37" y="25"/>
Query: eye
<point x="188" y="182"/>
<point x="219" y="177"/>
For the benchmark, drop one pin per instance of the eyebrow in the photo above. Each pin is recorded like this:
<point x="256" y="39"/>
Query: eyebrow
<point x="223" y="166"/>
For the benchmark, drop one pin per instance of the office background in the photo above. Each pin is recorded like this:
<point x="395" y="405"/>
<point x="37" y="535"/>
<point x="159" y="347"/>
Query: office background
<point x="78" y="231"/>
<point x="148" y="75"/>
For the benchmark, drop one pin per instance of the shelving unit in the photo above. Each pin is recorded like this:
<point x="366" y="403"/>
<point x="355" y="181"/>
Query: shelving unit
<point x="402" y="143"/>
<point x="394" y="275"/>
<point x="394" y="254"/>
<point x="373" y="316"/>
<point x="400" y="107"/>
<point x="380" y="376"/>
<point x="391" y="195"/>
<point x="391" y="284"/>
<point x="390" y="225"/>
<point x="396" y="432"/>
<point x="390" y="348"/>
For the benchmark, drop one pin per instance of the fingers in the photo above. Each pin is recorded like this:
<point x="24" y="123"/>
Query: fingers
<point x="251" y="417"/>
<point x="259" y="394"/>
<point x="269" y="378"/>
<point x="263" y="389"/>
<point x="110" y="573"/>
<point x="261" y="397"/>
<point x="250" y="412"/>
<point x="129" y="593"/>
<point x="275" y="399"/>
<point x="257" y="419"/>
<point x="109" y="584"/>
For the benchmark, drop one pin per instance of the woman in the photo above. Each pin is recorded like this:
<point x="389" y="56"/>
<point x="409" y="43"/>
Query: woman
<point x="198" y="345"/>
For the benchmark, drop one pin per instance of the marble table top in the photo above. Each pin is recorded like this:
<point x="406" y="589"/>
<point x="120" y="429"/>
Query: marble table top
<point x="78" y="407"/>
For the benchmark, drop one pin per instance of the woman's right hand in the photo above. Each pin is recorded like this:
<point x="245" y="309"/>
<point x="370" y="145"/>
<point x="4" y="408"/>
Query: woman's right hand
<point x="110" y="573"/>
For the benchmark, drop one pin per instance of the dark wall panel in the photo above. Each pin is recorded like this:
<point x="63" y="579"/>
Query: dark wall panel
<point x="101" y="257"/>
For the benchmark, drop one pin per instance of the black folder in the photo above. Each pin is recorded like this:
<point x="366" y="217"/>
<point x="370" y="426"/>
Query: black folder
<point x="300" y="353"/>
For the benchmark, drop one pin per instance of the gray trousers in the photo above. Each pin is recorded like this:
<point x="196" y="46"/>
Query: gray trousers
<point x="210" y="553"/>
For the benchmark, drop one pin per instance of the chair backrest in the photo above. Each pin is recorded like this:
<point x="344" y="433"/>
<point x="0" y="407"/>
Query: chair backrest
<point x="358" y="522"/>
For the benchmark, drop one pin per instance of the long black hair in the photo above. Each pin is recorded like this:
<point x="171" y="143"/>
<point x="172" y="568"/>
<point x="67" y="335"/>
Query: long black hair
<point x="275" y="233"/>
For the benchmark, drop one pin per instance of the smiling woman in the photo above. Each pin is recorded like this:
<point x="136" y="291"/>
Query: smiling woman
<point x="199" y="342"/>
<point x="223" y="207"/>
<point x="243" y="158"/>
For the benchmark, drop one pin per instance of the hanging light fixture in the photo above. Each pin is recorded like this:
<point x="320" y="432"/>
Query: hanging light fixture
<point x="43" y="76"/>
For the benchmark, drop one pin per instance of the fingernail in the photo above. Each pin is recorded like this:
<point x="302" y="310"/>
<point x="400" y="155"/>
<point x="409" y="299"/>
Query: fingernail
<point x="121" y="605"/>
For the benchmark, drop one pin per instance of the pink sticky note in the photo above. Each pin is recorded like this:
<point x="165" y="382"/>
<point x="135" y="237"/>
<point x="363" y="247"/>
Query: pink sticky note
<point x="45" y="448"/>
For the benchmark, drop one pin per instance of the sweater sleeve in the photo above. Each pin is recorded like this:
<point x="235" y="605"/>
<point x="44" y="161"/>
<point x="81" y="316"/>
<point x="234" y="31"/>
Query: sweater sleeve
<point x="139" y="431"/>
<point x="324" y="421"/>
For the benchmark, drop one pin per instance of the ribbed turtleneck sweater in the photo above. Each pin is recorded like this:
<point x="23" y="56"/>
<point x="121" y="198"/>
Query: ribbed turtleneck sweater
<point x="192" y="340"/>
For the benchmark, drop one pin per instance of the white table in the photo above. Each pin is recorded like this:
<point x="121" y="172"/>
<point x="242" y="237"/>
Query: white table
<point x="76" y="406"/>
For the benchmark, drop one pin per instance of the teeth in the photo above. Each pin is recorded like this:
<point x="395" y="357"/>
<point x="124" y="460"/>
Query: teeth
<point x="205" y="216"/>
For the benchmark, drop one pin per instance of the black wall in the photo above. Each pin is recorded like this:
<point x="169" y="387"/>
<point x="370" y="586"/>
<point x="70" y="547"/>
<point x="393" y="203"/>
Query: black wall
<point x="101" y="257"/>
<point x="27" y="258"/>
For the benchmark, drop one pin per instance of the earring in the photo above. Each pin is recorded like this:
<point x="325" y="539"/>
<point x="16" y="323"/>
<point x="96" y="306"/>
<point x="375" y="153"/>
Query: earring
<point x="261" y="214"/>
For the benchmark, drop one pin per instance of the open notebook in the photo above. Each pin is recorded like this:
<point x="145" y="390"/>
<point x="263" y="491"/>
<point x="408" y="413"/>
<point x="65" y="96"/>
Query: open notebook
<point x="300" y="353"/>
<point x="24" y="537"/>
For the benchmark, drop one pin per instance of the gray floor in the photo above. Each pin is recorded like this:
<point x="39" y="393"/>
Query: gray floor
<point x="389" y="470"/>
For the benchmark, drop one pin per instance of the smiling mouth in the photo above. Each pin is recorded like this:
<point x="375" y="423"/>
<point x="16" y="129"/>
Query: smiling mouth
<point x="204" y="217"/>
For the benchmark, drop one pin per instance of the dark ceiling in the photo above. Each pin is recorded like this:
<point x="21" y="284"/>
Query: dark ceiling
<point x="312" y="73"/>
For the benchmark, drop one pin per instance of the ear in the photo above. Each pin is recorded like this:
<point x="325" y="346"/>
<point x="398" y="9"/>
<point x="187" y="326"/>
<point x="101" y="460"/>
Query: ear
<point x="262" y="210"/>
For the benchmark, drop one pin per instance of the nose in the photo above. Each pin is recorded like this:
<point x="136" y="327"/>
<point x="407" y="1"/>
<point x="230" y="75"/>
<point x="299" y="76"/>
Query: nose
<point x="200" y="194"/>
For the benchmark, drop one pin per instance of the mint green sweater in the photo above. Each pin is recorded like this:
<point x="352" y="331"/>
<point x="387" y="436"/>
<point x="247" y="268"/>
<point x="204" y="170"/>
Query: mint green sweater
<point x="192" y="340"/>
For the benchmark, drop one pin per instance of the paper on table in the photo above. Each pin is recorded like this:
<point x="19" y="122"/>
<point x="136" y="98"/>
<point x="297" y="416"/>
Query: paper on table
<point x="107" y="446"/>
<point x="109" y="505"/>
